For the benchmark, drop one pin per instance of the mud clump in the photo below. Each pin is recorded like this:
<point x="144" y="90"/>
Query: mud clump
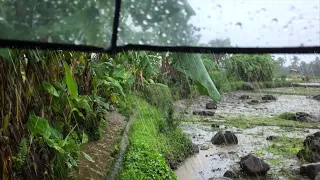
<point x="224" y="137"/>
<point x="298" y="116"/>
<point x="253" y="166"/>
<point x="244" y="97"/>
<point x="211" y="105"/>
<point x="269" y="97"/>
<point x="248" y="86"/>
<point x="311" y="152"/>
<point x="317" y="97"/>
<point x="253" y="102"/>
<point x="203" y="113"/>
<point x="311" y="170"/>
<point x="271" y="138"/>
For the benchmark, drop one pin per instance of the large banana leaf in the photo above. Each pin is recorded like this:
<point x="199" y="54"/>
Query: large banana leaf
<point x="192" y="66"/>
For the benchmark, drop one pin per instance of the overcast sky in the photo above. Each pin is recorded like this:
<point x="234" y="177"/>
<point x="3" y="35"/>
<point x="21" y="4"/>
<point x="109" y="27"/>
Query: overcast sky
<point x="263" y="23"/>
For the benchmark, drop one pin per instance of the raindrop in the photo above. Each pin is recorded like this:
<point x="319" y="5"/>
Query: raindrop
<point x="102" y="11"/>
<point x="168" y="41"/>
<point x="239" y="24"/>
<point x="209" y="17"/>
<point x="301" y="45"/>
<point x="59" y="2"/>
<point x="142" y="12"/>
<point x="184" y="31"/>
<point x="180" y="3"/>
<point x="264" y="26"/>
<point x="45" y="0"/>
<point x="38" y="15"/>
<point x="156" y="24"/>
<point x="132" y="6"/>
<point x="275" y="20"/>
<point x="167" y="11"/>
<point x="164" y="35"/>
<point x="148" y="16"/>
<point x="132" y="0"/>
<point x="263" y="10"/>
<point x="140" y="42"/>
<point x="156" y="8"/>
<point x="119" y="29"/>
<point x="75" y="2"/>
<point x="77" y="42"/>
<point x="309" y="40"/>
<point x="305" y="28"/>
<point x="144" y="22"/>
<point x="219" y="6"/>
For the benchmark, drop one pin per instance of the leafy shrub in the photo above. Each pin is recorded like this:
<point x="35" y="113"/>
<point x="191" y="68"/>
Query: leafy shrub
<point x="143" y="162"/>
<point x="152" y="141"/>
<point x="159" y="95"/>
<point x="287" y="116"/>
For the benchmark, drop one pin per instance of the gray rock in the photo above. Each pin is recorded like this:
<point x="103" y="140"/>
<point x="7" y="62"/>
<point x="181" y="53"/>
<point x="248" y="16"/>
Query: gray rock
<point x="244" y="97"/>
<point x="248" y="86"/>
<point x="310" y="170"/>
<point x="224" y="137"/>
<point x="317" y="97"/>
<point x="253" y="166"/>
<point x="317" y="177"/>
<point x="311" y="152"/>
<point x="231" y="174"/>
<point x="195" y="148"/>
<point x="211" y="105"/>
<point x="269" y="97"/>
<point x="254" y="101"/>
<point x="203" y="113"/>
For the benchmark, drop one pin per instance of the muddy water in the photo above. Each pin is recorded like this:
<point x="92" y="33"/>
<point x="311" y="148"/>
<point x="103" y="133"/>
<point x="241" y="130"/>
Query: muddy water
<point x="230" y="104"/>
<point x="216" y="160"/>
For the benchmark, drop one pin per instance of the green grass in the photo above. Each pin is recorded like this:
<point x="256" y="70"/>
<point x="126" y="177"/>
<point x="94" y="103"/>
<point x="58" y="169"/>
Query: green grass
<point x="285" y="146"/>
<point x="292" y="91"/>
<point x="253" y="121"/>
<point x="154" y="146"/>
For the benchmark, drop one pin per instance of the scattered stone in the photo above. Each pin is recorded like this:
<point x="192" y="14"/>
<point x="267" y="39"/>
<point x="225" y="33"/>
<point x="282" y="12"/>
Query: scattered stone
<point x="195" y="148"/>
<point x="302" y="116"/>
<point x="306" y="131"/>
<point x="317" y="97"/>
<point x="215" y="125"/>
<point x="232" y="152"/>
<point x="231" y="174"/>
<point x="269" y="97"/>
<point x="253" y="101"/>
<point x="270" y="138"/>
<point x="311" y="170"/>
<point x="211" y="105"/>
<point x="203" y="113"/>
<point x="317" y="177"/>
<point x="224" y="137"/>
<point x="253" y="166"/>
<point x="206" y="155"/>
<point x="248" y="86"/>
<point x="311" y="152"/>
<point x="204" y="148"/>
<point x="244" y="97"/>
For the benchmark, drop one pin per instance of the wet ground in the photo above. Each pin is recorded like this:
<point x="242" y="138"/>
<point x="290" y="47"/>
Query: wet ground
<point x="101" y="150"/>
<point x="213" y="160"/>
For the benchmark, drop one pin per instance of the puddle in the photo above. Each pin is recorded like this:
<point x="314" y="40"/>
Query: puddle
<point x="215" y="161"/>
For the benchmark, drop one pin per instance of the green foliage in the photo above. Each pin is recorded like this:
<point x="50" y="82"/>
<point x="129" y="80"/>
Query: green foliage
<point x="193" y="67"/>
<point x="72" y="86"/>
<point x="285" y="146"/>
<point x="251" y="67"/>
<point x="152" y="142"/>
<point x="22" y="153"/>
<point x="287" y="116"/>
<point x="143" y="162"/>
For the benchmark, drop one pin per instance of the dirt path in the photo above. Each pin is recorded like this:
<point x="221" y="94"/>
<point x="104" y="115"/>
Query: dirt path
<point x="101" y="150"/>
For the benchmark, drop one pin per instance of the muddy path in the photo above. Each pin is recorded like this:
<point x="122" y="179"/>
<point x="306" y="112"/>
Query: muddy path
<point x="214" y="160"/>
<point x="102" y="151"/>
